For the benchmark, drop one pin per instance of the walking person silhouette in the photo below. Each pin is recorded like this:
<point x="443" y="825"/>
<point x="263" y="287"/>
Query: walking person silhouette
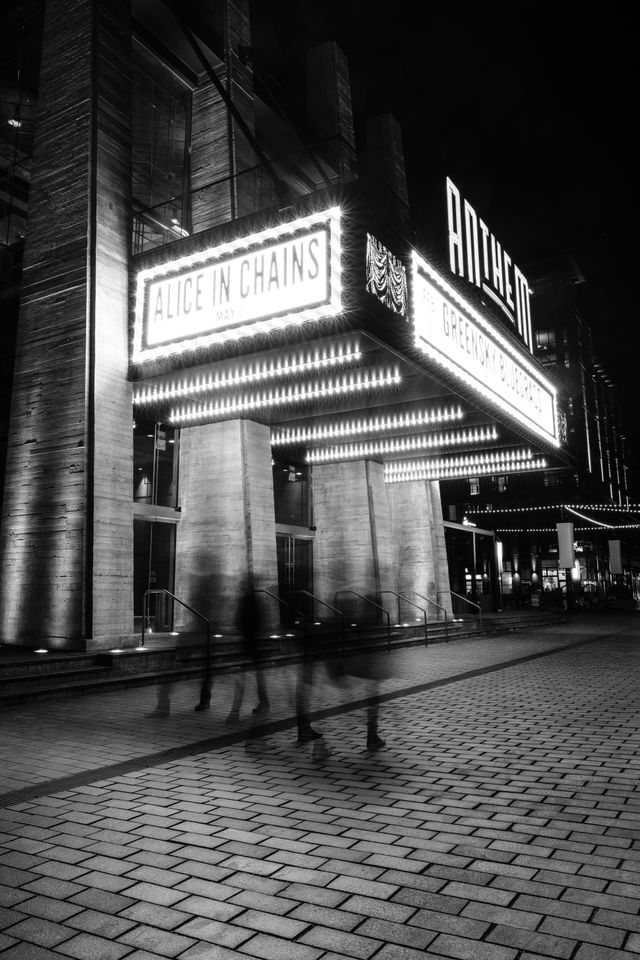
<point x="249" y="621"/>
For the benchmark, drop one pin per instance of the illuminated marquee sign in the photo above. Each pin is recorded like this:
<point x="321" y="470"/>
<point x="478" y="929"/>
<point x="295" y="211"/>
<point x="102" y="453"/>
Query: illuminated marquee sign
<point x="451" y="332"/>
<point x="474" y="251"/>
<point x="269" y="280"/>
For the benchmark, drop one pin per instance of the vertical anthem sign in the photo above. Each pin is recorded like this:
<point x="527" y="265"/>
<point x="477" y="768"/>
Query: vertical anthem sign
<point x="453" y="334"/>
<point x="475" y="253"/>
<point x="287" y="274"/>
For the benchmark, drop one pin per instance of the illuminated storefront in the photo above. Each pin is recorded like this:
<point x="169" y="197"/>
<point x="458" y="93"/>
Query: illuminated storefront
<point x="287" y="381"/>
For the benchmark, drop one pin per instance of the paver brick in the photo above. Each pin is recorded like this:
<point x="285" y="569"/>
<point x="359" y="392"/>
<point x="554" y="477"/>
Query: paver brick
<point x="85" y="945"/>
<point x="350" y="944"/>
<point x="463" y="949"/>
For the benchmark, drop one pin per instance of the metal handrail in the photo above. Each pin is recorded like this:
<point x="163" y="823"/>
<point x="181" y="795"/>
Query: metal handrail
<point x="335" y="610"/>
<point x="205" y="691"/>
<point x="402" y="597"/>
<point x="440" y="607"/>
<point x="299" y="613"/>
<point x="466" y="600"/>
<point x="371" y="602"/>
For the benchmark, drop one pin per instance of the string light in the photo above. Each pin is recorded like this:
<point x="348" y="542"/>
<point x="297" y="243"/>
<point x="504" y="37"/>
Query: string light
<point x="558" y="506"/>
<point x="340" y="429"/>
<point x="287" y="396"/>
<point x="356" y="451"/>
<point x="259" y="372"/>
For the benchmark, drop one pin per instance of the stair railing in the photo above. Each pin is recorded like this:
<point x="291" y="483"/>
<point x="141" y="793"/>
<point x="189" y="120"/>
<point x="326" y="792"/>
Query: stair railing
<point x="371" y="603"/>
<point x="301" y="616"/>
<point x="465" y="599"/>
<point x="406" y="599"/>
<point x="205" y="690"/>
<point x="338" y="613"/>
<point x="440" y="607"/>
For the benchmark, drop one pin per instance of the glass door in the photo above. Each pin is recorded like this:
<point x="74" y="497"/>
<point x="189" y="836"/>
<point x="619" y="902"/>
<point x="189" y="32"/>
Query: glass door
<point x="295" y="574"/>
<point x="153" y="568"/>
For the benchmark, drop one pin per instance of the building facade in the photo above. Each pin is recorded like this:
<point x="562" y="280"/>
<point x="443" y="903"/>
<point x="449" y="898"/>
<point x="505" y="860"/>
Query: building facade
<point x="593" y="494"/>
<point x="232" y="367"/>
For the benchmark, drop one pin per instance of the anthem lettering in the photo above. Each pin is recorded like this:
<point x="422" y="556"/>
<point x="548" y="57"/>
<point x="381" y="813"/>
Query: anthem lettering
<point x="475" y="253"/>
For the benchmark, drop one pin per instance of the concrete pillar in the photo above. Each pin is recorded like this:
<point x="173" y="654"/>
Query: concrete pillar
<point x="329" y="105"/>
<point x="227" y="532"/>
<point x="67" y="521"/>
<point x="385" y="160"/>
<point x="421" y="554"/>
<point x="353" y="547"/>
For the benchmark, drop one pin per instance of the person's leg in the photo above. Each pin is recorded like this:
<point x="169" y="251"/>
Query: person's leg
<point x="374" y="742"/>
<point x="261" y="686"/>
<point x="238" y="696"/>
<point x="306" y="732"/>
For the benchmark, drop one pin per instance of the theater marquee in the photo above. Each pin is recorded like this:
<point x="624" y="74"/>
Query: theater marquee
<point x="456" y="336"/>
<point x="266" y="281"/>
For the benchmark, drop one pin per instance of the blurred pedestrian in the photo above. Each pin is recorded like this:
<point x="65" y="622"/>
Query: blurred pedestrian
<point x="249" y="620"/>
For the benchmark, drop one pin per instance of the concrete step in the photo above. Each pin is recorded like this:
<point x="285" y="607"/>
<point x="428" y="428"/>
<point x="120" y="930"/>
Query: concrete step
<point x="166" y="658"/>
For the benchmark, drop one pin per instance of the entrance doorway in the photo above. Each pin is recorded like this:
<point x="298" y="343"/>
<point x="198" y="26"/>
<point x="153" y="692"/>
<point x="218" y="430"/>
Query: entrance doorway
<point x="154" y="545"/>
<point x="295" y="573"/>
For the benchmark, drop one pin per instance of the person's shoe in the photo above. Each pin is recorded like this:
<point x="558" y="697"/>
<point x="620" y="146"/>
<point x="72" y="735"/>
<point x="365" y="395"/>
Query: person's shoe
<point x="320" y="751"/>
<point x="307" y="735"/>
<point x="232" y="718"/>
<point x="261" y="708"/>
<point x="374" y="742"/>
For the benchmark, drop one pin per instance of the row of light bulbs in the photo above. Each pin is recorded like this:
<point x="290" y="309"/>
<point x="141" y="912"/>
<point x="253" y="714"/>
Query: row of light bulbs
<point x="631" y="508"/>
<point x="451" y="467"/>
<point x="356" y="451"/>
<point x="342" y="429"/>
<point x="451" y="473"/>
<point x="292" y="365"/>
<point x="285" y="396"/>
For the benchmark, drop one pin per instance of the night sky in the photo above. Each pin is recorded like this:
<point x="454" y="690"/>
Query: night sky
<point x="529" y="111"/>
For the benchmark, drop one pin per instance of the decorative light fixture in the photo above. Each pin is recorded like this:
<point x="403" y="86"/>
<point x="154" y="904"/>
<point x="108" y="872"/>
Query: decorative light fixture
<point x="448" y="468"/>
<point x="358" y="451"/>
<point x="341" y="428"/>
<point x="264" y="371"/>
<point x="288" y="396"/>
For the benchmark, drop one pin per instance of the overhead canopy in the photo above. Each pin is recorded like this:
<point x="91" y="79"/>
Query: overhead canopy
<point x="346" y="349"/>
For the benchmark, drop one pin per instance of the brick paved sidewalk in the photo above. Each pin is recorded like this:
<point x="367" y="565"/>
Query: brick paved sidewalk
<point x="500" y="821"/>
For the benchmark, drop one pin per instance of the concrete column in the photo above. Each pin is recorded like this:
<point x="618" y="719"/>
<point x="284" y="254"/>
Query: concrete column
<point x="329" y="104"/>
<point x="418" y="534"/>
<point x="227" y="532"/>
<point x="353" y="547"/>
<point x="440" y="562"/>
<point x="67" y="521"/>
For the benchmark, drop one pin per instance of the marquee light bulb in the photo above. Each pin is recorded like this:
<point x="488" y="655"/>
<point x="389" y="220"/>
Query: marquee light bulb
<point x="341" y="429"/>
<point x="358" y="451"/>
<point x="356" y="382"/>
<point x="297" y="364"/>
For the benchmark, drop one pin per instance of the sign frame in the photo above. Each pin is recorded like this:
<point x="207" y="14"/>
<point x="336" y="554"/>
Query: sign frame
<point x="467" y="345"/>
<point x="200" y="288"/>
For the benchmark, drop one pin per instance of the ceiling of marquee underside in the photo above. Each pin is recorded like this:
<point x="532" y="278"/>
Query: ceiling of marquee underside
<point x="348" y="397"/>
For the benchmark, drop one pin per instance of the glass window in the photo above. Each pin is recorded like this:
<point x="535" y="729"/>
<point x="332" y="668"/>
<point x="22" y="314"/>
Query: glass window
<point x="474" y="486"/>
<point x="291" y="493"/>
<point x="155" y="463"/>
<point x="161" y="112"/>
